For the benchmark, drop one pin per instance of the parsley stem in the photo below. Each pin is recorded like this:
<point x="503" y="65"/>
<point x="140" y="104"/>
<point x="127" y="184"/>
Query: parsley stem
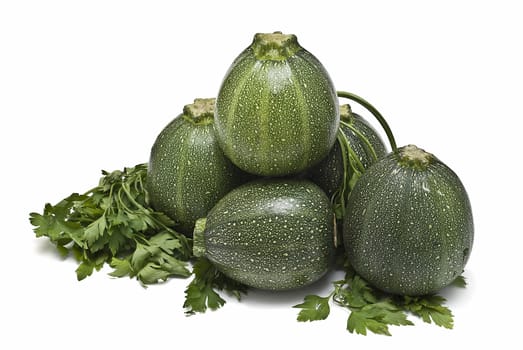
<point x="183" y="239"/>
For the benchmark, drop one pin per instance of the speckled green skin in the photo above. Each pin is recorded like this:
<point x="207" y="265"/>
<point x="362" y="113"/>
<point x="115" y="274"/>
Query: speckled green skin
<point x="188" y="173"/>
<point x="408" y="231"/>
<point x="271" y="234"/>
<point x="328" y="174"/>
<point x="276" y="117"/>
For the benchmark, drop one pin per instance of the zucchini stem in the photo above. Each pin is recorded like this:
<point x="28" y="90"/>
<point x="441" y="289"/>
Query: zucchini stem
<point x="199" y="238"/>
<point x="375" y="113"/>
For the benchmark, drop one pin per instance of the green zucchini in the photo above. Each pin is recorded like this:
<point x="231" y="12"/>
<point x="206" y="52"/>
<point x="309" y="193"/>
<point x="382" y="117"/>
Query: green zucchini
<point x="363" y="140"/>
<point x="188" y="173"/>
<point x="408" y="228"/>
<point x="276" y="110"/>
<point x="271" y="234"/>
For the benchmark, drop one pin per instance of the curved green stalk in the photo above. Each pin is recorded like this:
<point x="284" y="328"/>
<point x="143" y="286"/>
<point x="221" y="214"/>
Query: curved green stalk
<point x="375" y="113"/>
<point x="361" y="137"/>
<point x="353" y="167"/>
<point x="338" y="199"/>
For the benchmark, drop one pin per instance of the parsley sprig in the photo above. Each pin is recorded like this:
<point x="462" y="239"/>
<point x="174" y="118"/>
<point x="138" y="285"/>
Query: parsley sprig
<point x="113" y="223"/>
<point x="201" y="294"/>
<point x="373" y="310"/>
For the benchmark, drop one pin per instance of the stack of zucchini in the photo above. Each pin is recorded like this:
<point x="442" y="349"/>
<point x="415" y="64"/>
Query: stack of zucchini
<point x="269" y="185"/>
<point x="273" y="175"/>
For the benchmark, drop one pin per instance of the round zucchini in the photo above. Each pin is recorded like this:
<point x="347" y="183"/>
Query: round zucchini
<point x="408" y="229"/>
<point x="271" y="234"/>
<point x="276" y="110"/>
<point x="362" y="139"/>
<point x="188" y="173"/>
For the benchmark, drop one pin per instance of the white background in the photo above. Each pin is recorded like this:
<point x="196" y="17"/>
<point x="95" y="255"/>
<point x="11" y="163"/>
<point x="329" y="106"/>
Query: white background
<point x="87" y="85"/>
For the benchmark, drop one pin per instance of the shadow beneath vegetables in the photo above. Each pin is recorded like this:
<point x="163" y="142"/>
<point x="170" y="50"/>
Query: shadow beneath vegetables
<point x="322" y="287"/>
<point x="457" y="294"/>
<point x="45" y="247"/>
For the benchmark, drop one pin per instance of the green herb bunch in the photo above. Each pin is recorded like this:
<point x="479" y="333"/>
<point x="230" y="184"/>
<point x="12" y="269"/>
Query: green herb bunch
<point x="113" y="223"/>
<point x="373" y="310"/>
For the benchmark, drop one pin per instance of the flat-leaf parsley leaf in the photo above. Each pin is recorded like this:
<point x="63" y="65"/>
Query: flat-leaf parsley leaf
<point x="201" y="292"/>
<point x="113" y="223"/>
<point x="373" y="310"/>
